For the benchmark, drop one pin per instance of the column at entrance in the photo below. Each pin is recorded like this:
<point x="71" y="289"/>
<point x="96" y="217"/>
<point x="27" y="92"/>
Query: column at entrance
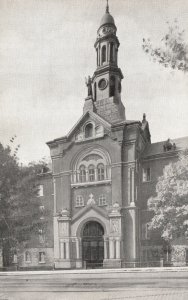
<point x="114" y="259"/>
<point x="105" y="248"/>
<point x="78" y="254"/>
<point x="63" y="242"/>
<point x="62" y="250"/>
<point x="118" y="248"/>
<point x="111" y="248"/>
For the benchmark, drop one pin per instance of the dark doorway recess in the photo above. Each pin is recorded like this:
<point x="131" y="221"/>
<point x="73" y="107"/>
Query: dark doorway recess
<point x="93" y="245"/>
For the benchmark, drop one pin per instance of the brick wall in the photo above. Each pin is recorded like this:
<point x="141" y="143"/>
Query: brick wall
<point x="34" y="262"/>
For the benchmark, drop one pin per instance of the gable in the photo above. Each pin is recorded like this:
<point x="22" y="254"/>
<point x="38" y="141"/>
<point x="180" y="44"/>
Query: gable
<point x="89" y="126"/>
<point x="91" y="212"/>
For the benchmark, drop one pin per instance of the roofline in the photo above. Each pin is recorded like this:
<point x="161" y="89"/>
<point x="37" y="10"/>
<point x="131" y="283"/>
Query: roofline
<point x="64" y="138"/>
<point x="167" y="153"/>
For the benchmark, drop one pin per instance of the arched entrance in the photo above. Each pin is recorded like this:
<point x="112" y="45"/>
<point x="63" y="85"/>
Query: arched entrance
<point x="93" y="245"/>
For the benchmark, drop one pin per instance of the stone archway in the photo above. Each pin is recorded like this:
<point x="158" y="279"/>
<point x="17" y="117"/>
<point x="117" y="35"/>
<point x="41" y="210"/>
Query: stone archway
<point x="93" y="244"/>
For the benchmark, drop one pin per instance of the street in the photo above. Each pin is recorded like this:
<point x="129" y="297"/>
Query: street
<point x="98" y="284"/>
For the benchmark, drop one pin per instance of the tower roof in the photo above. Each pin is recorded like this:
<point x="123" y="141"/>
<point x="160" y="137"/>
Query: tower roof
<point x="107" y="17"/>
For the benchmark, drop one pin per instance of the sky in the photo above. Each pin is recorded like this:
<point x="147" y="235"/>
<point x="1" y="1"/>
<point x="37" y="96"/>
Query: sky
<point x="47" y="50"/>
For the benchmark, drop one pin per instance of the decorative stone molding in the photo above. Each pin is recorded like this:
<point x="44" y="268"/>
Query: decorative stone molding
<point x="114" y="211"/>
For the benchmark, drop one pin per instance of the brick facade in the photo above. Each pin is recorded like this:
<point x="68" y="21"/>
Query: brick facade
<point x="103" y="172"/>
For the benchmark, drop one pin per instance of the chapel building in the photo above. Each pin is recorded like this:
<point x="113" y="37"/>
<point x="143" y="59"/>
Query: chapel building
<point x="103" y="173"/>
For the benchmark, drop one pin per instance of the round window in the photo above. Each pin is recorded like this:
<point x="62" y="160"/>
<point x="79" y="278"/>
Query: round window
<point x="102" y="84"/>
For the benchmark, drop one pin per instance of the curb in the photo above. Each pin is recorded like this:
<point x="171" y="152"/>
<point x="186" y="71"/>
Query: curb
<point x="97" y="271"/>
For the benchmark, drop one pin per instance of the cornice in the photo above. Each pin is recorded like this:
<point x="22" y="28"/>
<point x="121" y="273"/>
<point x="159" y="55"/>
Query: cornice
<point x="109" y="37"/>
<point x="107" y="68"/>
<point x="163" y="155"/>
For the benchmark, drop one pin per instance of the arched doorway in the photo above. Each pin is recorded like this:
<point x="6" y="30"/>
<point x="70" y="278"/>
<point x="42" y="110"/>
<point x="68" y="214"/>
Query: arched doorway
<point x="93" y="245"/>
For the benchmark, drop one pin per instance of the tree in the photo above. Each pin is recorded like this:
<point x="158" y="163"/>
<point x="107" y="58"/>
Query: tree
<point x="19" y="205"/>
<point x="170" y="206"/>
<point x="173" y="51"/>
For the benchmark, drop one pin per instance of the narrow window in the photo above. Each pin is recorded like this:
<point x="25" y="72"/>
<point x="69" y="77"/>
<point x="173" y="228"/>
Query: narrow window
<point x="91" y="173"/>
<point x="40" y="192"/>
<point x="103" y="54"/>
<point x="89" y="130"/>
<point x="42" y="257"/>
<point x="79" y="201"/>
<point x="146" y="174"/>
<point x="112" y="86"/>
<point x="42" y="212"/>
<point x="111" y="52"/>
<point x="100" y="172"/>
<point x="95" y="91"/>
<point x="41" y="208"/>
<point x="82" y="175"/>
<point x="102" y="200"/>
<point x="27" y="257"/>
<point x="15" y="258"/>
<point x="41" y="237"/>
<point x="145" y="231"/>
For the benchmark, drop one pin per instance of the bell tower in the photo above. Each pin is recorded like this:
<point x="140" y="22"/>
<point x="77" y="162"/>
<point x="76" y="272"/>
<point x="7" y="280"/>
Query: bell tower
<point x="106" y="80"/>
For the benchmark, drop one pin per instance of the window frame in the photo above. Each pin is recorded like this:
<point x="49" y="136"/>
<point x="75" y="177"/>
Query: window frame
<point x="82" y="177"/>
<point x="145" y="177"/>
<point x="103" y="54"/>
<point x="89" y="131"/>
<point x="91" y="175"/>
<point x="40" y="192"/>
<point x="102" y="200"/>
<point x="145" y="232"/>
<point x="41" y="261"/>
<point x="25" y="255"/>
<point x="79" y="201"/>
<point x="100" y="175"/>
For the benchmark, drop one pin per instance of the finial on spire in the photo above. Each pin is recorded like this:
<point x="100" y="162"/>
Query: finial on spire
<point x="107" y="7"/>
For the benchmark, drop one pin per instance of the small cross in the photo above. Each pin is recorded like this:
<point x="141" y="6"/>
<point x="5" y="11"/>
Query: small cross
<point x="91" y="197"/>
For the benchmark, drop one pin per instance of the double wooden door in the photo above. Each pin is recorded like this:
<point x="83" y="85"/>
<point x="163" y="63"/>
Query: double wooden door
<point x="93" y="245"/>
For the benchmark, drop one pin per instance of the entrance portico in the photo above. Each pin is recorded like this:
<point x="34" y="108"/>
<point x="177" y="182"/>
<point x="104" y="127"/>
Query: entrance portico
<point x="92" y="239"/>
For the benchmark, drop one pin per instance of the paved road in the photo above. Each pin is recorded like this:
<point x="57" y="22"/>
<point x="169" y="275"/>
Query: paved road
<point x="103" y="285"/>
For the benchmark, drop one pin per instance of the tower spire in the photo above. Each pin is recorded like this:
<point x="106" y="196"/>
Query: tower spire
<point x="107" y="7"/>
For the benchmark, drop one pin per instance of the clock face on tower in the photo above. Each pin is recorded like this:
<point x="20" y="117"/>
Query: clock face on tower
<point x="106" y="30"/>
<point x="102" y="84"/>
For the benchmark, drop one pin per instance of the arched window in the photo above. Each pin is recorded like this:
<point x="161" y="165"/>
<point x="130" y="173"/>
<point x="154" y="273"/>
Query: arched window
<point x="95" y="91"/>
<point x="111" y="52"/>
<point x="112" y="86"/>
<point x="79" y="201"/>
<point x="82" y="175"/>
<point x="89" y="130"/>
<point x="91" y="170"/>
<point x="100" y="172"/>
<point x="103" y="54"/>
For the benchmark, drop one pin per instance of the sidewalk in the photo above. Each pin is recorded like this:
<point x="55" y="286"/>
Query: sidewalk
<point x="99" y="271"/>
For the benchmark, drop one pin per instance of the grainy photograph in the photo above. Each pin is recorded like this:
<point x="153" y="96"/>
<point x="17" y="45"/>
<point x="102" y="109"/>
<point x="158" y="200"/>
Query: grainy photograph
<point x="93" y="149"/>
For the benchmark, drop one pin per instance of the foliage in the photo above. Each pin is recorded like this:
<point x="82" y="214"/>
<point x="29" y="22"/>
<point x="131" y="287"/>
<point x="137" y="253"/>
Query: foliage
<point x="173" y="51"/>
<point x="170" y="206"/>
<point x="19" y="205"/>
